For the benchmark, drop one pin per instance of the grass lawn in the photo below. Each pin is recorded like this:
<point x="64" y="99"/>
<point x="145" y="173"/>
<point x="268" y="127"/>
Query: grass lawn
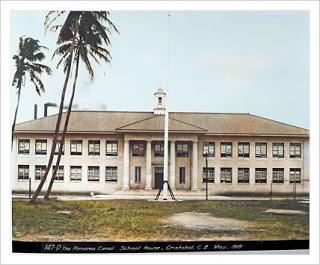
<point x="135" y="220"/>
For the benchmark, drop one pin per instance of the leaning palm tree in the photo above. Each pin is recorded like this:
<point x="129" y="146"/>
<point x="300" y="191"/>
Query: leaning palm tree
<point x="82" y="36"/>
<point x="27" y="63"/>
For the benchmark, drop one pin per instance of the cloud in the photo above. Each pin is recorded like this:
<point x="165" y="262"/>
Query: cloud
<point x="237" y="69"/>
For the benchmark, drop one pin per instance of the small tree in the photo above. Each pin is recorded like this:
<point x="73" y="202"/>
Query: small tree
<point x="27" y="64"/>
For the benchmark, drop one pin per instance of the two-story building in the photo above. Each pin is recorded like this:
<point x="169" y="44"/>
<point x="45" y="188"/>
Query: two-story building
<point x="105" y="151"/>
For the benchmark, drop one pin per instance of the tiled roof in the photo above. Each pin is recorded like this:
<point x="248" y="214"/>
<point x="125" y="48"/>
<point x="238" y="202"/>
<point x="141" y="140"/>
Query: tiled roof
<point x="192" y="122"/>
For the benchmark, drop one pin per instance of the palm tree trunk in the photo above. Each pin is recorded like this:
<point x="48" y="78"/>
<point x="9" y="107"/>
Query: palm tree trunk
<point x="43" y="179"/>
<point x="46" y="195"/>
<point x="16" y="113"/>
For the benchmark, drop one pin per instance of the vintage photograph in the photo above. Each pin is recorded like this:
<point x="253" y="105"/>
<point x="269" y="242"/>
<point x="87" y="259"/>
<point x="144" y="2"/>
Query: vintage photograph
<point x="168" y="127"/>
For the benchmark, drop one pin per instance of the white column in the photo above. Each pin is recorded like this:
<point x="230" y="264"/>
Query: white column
<point x="148" y="166"/>
<point x="172" y="165"/>
<point x="126" y="164"/>
<point x="194" y="184"/>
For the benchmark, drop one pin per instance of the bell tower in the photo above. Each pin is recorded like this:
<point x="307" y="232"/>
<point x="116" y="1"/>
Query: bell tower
<point x="159" y="102"/>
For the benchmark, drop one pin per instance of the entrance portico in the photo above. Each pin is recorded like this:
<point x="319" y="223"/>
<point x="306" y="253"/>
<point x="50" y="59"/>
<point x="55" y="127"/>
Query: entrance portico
<point x="151" y="163"/>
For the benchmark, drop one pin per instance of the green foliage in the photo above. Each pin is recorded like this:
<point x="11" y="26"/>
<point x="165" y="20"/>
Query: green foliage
<point x="27" y="62"/>
<point x="88" y="32"/>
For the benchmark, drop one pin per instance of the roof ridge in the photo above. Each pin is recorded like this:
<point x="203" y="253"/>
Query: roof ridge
<point x="44" y="117"/>
<point x="283" y="123"/>
<point x="137" y="122"/>
<point x="126" y="111"/>
<point x="188" y="124"/>
<point x="206" y="112"/>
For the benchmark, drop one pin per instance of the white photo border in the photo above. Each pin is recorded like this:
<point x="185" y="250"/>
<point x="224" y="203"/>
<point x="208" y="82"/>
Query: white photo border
<point x="165" y="258"/>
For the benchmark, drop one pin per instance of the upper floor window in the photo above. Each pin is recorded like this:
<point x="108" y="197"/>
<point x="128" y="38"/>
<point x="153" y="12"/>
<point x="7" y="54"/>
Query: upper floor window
<point x="208" y="175"/>
<point x="24" y="146"/>
<point x="111" y="173"/>
<point x="261" y="175"/>
<point x="243" y="175"/>
<point x="295" y="150"/>
<point x="278" y="150"/>
<point x="158" y="149"/>
<point x="23" y="172"/>
<point x="182" y="175"/>
<point x="58" y="144"/>
<point x="93" y="148"/>
<point x="41" y="147"/>
<point x="76" y="147"/>
<point x="278" y="175"/>
<point x="111" y="148"/>
<point x="182" y="149"/>
<point x="75" y="173"/>
<point x="93" y="173"/>
<point x="208" y="149"/>
<point x="226" y="175"/>
<point x="138" y="149"/>
<point x="243" y="149"/>
<point x="39" y="171"/>
<point x="59" y="173"/>
<point x="226" y="149"/>
<point x="261" y="150"/>
<point x="295" y="175"/>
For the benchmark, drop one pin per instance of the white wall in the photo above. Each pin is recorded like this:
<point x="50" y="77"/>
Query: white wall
<point x="217" y="162"/>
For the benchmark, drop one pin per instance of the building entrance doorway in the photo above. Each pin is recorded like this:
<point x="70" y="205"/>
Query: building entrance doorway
<point x="158" y="177"/>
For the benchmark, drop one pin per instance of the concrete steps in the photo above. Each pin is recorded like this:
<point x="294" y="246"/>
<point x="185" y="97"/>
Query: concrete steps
<point x="154" y="192"/>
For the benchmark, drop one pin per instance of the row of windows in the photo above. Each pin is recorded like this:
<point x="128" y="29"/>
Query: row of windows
<point x="244" y="175"/>
<point x="75" y="147"/>
<point x="138" y="148"/>
<point x="244" y="150"/>
<point x="93" y="173"/>
<point x="111" y="174"/>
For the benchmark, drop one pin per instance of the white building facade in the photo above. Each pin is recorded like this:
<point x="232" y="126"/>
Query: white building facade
<point x="107" y="151"/>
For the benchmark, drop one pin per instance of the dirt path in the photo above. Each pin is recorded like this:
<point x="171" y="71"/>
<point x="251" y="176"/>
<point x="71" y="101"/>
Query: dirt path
<point x="199" y="221"/>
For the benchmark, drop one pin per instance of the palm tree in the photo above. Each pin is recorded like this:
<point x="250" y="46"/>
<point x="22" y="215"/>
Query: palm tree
<point x="27" y="63"/>
<point x="82" y="36"/>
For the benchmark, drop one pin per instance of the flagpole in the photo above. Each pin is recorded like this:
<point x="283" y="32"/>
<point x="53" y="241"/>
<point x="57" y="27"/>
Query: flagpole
<point x="165" y="160"/>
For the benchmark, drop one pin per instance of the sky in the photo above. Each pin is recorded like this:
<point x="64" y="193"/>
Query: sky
<point x="207" y="61"/>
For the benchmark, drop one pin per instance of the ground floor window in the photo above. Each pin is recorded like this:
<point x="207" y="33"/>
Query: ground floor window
<point x="111" y="173"/>
<point x="23" y="172"/>
<point x="137" y="174"/>
<point x="182" y="175"/>
<point x="295" y="175"/>
<point x="39" y="171"/>
<point x="93" y="173"/>
<point x="243" y="175"/>
<point x="226" y="175"/>
<point x="59" y="173"/>
<point x="208" y="174"/>
<point x="278" y="175"/>
<point x="261" y="175"/>
<point x="75" y="173"/>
